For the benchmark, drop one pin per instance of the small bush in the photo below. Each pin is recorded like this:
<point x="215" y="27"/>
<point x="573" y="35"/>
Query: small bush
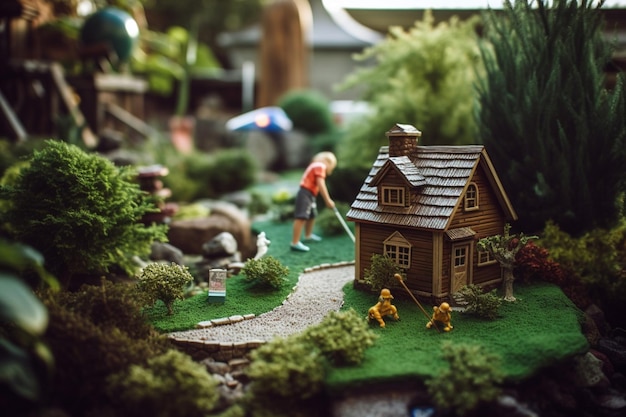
<point x="472" y="377"/>
<point x="231" y="170"/>
<point x="200" y="175"/>
<point x="482" y="304"/>
<point x="109" y="306"/>
<point x="286" y="369"/>
<point x="342" y="337"/>
<point x="266" y="271"/>
<point x="158" y="281"/>
<point x="171" y="384"/>
<point x="533" y="262"/>
<point x="597" y="258"/>
<point x="309" y="111"/>
<point x="381" y="272"/>
<point x="85" y="354"/>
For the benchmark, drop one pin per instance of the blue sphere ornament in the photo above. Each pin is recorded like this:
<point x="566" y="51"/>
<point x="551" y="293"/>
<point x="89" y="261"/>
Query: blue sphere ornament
<point x="114" y="27"/>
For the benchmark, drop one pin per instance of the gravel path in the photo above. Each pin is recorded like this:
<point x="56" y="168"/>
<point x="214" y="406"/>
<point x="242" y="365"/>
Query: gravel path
<point x="317" y="293"/>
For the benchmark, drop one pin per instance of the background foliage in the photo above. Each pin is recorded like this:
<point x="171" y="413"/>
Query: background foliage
<point x="424" y="77"/>
<point x="555" y="133"/>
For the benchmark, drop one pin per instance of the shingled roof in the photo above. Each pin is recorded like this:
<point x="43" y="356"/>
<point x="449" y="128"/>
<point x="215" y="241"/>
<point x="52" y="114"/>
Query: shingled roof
<point x="440" y="172"/>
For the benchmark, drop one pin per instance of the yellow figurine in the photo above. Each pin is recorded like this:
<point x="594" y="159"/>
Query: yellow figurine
<point x="383" y="308"/>
<point x="443" y="315"/>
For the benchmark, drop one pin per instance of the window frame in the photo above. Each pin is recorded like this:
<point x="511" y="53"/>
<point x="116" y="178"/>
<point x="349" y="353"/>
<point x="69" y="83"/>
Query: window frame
<point x="387" y="200"/>
<point x="398" y="249"/>
<point x="480" y="261"/>
<point x="471" y="203"/>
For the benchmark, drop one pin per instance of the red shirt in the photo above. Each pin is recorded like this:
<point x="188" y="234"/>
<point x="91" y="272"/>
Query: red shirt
<point x="309" y="179"/>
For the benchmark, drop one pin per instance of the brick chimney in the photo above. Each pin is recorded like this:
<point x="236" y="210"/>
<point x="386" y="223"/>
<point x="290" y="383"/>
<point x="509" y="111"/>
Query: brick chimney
<point x="402" y="140"/>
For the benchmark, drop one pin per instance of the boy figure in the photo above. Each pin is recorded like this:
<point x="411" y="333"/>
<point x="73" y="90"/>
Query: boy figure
<point x="313" y="182"/>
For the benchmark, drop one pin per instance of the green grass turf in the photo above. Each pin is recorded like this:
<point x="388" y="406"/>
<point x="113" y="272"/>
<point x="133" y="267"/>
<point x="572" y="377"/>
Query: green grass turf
<point x="540" y="329"/>
<point x="241" y="296"/>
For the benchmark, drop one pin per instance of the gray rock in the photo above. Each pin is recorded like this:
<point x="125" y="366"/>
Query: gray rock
<point x="222" y="244"/>
<point x="166" y="252"/>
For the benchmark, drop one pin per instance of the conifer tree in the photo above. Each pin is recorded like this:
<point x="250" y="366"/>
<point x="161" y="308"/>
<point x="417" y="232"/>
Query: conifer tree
<point x="554" y="131"/>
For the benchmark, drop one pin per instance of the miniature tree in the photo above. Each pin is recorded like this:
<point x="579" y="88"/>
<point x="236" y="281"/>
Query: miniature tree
<point x="503" y="248"/>
<point x="266" y="271"/>
<point x="164" y="282"/>
<point x="472" y="377"/>
<point x="80" y="211"/>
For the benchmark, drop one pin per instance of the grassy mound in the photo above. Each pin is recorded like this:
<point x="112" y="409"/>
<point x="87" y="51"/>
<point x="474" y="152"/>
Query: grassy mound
<point x="538" y="330"/>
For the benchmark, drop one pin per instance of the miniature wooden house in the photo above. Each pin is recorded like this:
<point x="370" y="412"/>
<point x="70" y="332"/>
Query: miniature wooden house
<point x="426" y="207"/>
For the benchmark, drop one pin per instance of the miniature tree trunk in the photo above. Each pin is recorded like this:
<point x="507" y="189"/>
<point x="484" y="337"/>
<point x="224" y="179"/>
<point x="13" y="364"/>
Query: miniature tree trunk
<point x="504" y="248"/>
<point x="508" y="282"/>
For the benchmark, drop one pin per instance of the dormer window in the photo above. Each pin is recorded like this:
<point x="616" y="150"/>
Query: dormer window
<point x="393" y="196"/>
<point x="471" y="197"/>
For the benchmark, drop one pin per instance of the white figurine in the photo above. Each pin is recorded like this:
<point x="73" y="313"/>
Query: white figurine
<point x="261" y="245"/>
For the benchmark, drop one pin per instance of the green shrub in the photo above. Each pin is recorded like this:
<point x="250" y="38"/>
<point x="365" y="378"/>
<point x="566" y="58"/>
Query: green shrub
<point x="111" y="305"/>
<point x="80" y="211"/>
<point x="200" y="175"/>
<point x="327" y="220"/>
<point x="286" y="369"/>
<point x="472" y="377"/>
<point x="85" y="354"/>
<point x="266" y="271"/>
<point x="380" y="274"/>
<point x="309" y="111"/>
<point x="260" y="203"/>
<point x="158" y="281"/>
<point x="482" y="304"/>
<point x="341" y="337"/>
<point x="597" y="258"/>
<point x="231" y="170"/>
<point x="168" y="385"/>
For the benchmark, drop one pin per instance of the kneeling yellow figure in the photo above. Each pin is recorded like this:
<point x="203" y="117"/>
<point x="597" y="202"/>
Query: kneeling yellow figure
<point x="383" y="308"/>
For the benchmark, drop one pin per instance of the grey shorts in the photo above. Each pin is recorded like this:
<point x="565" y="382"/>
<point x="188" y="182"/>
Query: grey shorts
<point x="306" y="207"/>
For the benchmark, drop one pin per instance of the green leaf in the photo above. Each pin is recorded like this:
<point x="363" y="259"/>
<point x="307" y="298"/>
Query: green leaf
<point x="16" y="371"/>
<point x="19" y="305"/>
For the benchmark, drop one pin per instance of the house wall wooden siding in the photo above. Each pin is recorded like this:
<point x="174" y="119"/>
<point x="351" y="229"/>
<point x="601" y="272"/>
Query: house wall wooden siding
<point x="420" y="272"/>
<point x="488" y="220"/>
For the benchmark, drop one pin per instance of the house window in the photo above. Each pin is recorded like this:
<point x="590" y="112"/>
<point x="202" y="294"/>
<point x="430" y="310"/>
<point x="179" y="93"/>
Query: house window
<point x="485" y="258"/>
<point x="393" y="196"/>
<point x="397" y="248"/>
<point x="460" y="256"/>
<point x="471" y="197"/>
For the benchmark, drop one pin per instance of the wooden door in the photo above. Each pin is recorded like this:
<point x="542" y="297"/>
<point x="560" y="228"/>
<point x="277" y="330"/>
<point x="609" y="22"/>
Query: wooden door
<point x="460" y="266"/>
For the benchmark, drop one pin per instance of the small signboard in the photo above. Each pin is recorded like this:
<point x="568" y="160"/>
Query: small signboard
<point x="217" y="285"/>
